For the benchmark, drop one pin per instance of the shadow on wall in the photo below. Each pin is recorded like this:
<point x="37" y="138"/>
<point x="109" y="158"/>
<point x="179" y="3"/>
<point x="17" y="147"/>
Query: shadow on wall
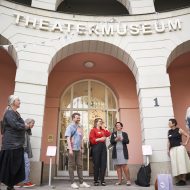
<point x="163" y="5"/>
<point x="93" y="7"/>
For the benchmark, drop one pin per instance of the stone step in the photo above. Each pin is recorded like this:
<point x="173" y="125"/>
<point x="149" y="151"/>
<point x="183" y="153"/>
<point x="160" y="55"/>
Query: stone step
<point x="86" y="177"/>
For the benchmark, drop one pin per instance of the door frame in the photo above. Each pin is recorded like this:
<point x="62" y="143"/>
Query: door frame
<point x="71" y="110"/>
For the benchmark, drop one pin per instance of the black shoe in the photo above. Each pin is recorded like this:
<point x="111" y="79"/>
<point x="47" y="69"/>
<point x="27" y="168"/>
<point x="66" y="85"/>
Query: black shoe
<point x="181" y="183"/>
<point x="10" y="188"/>
<point x="96" y="183"/>
<point x="103" y="183"/>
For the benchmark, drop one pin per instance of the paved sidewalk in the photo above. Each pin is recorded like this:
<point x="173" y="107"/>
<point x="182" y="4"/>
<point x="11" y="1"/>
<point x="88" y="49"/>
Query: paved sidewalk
<point x="65" y="184"/>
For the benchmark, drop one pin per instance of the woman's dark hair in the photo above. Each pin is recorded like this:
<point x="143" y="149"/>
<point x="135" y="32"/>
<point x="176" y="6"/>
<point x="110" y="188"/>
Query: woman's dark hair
<point x="96" y="121"/>
<point x="119" y="123"/>
<point x="174" y="121"/>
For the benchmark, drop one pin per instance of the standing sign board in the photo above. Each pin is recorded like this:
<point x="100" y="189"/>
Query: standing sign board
<point x="51" y="151"/>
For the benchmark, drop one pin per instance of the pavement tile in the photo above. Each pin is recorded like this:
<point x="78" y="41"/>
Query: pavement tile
<point x="65" y="185"/>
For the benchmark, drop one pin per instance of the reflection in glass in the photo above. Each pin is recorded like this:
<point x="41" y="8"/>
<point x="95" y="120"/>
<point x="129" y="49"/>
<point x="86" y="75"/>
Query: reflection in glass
<point x="63" y="155"/>
<point x="111" y="100"/>
<point x="66" y="100"/>
<point x="80" y="95"/>
<point x="97" y="95"/>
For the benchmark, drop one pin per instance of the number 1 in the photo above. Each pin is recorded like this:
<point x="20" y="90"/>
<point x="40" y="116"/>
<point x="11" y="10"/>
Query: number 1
<point x="156" y="102"/>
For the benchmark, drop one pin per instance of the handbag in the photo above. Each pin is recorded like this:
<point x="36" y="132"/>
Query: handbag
<point x="143" y="176"/>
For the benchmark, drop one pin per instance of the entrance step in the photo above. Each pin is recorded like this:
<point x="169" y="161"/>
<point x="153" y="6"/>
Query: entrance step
<point x="86" y="177"/>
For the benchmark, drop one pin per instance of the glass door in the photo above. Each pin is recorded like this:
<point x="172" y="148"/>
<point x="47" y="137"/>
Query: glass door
<point x="91" y="99"/>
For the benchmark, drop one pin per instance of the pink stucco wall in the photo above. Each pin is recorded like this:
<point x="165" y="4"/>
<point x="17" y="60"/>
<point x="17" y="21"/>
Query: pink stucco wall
<point x="108" y="70"/>
<point x="179" y="72"/>
<point x="7" y="78"/>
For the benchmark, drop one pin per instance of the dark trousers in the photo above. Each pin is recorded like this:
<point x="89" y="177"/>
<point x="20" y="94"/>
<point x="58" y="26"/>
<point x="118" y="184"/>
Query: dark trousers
<point x="99" y="156"/>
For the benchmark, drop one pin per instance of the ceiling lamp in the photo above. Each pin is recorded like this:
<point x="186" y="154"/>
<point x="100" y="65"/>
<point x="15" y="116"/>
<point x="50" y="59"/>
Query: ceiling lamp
<point x="89" y="64"/>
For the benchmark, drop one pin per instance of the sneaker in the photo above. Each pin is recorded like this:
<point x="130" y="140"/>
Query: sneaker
<point x="84" y="184"/>
<point x="96" y="183"/>
<point x="128" y="183"/>
<point x="103" y="183"/>
<point x="29" y="184"/>
<point x="118" y="183"/>
<point x="74" y="186"/>
<point x="19" y="185"/>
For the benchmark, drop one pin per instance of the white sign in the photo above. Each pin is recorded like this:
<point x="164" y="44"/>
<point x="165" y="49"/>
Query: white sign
<point x="147" y="150"/>
<point x="99" y="29"/>
<point x="51" y="151"/>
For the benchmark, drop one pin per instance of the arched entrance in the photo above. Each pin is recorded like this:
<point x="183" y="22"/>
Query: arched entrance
<point x="7" y="78"/>
<point x="178" y="70"/>
<point x="116" y="71"/>
<point x="91" y="99"/>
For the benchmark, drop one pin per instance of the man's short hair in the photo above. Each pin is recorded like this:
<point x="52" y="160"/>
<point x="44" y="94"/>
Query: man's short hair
<point x="74" y="114"/>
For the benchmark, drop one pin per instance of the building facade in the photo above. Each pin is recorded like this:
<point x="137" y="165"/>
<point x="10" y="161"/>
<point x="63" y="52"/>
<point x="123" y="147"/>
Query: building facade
<point x="131" y="67"/>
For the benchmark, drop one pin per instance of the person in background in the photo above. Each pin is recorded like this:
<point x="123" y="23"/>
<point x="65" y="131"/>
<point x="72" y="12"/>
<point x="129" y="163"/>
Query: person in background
<point x="180" y="162"/>
<point x="27" y="153"/>
<point x="119" y="140"/>
<point x="187" y="119"/>
<point x="74" y="135"/>
<point x="97" y="140"/>
<point x="12" y="152"/>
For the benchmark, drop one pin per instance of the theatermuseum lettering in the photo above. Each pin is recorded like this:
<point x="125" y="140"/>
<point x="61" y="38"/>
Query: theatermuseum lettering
<point x="101" y="28"/>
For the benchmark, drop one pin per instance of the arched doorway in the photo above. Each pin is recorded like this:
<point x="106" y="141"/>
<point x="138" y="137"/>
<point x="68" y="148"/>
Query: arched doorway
<point x="91" y="99"/>
<point x="7" y="78"/>
<point x="178" y="68"/>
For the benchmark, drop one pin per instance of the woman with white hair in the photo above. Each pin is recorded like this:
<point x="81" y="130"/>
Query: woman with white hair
<point x="12" y="169"/>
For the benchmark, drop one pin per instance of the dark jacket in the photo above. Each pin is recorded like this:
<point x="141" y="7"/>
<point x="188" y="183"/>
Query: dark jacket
<point x="27" y="144"/>
<point x="125" y="141"/>
<point x="14" y="130"/>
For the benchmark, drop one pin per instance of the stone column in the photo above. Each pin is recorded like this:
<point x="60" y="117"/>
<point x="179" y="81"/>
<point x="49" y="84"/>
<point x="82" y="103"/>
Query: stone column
<point x="30" y="85"/>
<point x="46" y="4"/>
<point x="140" y="6"/>
<point x="156" y="108"/>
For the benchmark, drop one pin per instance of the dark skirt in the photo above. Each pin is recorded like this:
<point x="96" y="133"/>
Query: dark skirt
<point x="12" y="169"/>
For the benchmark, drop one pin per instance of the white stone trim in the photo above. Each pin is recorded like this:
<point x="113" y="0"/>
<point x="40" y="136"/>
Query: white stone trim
<point x="46" y="4"/>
